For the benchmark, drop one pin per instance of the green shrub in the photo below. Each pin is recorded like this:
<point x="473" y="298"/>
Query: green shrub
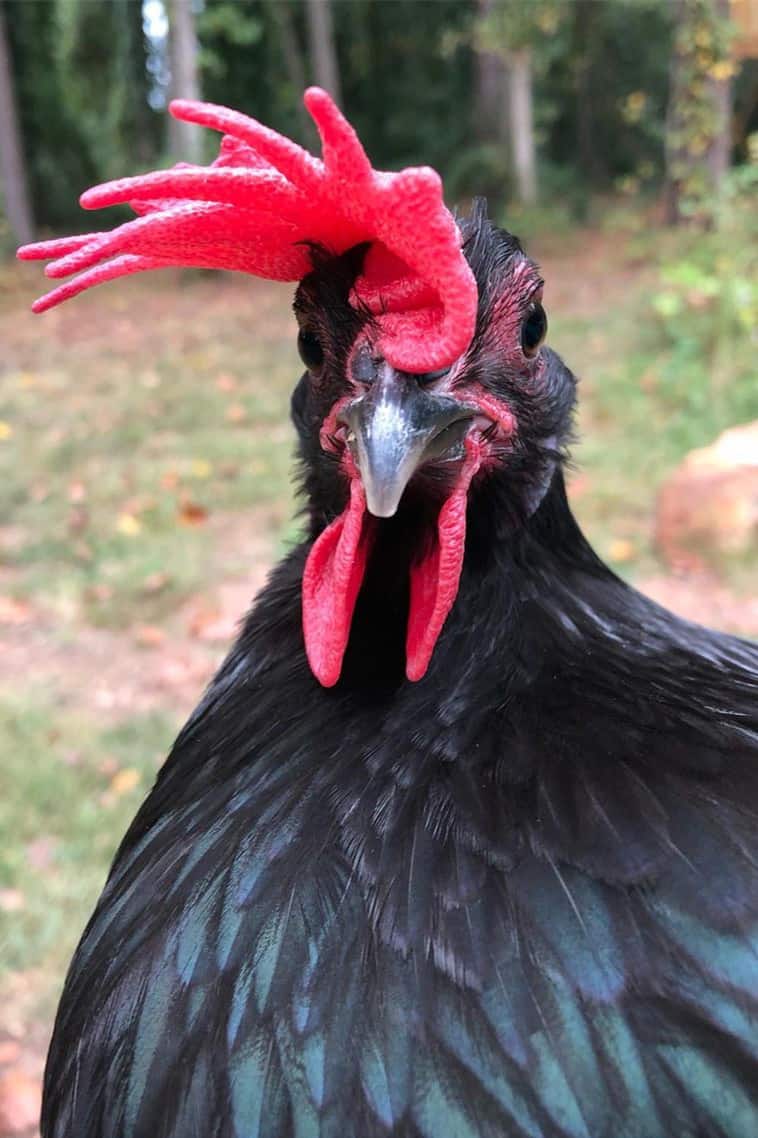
<point x="706" y="310"/>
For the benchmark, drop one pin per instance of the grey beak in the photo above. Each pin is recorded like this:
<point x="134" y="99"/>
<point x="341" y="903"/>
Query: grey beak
<point x="394" y="428"/>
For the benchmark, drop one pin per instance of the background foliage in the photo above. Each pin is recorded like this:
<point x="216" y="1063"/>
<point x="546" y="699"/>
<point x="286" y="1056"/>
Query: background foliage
<point x="91" y="92"/>
<point x="145" y="453"/>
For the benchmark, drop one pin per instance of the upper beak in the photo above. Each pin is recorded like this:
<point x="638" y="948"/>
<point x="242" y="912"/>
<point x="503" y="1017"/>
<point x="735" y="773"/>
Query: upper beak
<point x="397" y="426"/>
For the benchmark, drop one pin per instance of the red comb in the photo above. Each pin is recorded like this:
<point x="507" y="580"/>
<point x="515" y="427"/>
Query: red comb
<point x="258" y="206"/>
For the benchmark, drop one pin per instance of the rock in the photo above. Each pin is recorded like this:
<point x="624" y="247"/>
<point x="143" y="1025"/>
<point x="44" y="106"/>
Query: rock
<point x="708" y="509"/>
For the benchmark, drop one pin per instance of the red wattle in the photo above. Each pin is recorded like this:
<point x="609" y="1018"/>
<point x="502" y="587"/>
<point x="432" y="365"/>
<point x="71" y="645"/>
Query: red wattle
<point x="332" y="579"/>
<point x="435" y="580"/>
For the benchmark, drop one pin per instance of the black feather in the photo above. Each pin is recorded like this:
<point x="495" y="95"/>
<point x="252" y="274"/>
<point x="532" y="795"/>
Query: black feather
<point x="517" y="898"/>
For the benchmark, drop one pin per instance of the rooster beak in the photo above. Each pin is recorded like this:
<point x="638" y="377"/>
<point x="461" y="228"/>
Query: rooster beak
<point x="396" y="427"/>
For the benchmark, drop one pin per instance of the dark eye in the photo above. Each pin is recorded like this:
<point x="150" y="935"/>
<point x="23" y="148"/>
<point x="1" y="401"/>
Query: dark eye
<point x="432" y="376"/>
<point x="309" y="347"/>
<point x="533" y="330"/>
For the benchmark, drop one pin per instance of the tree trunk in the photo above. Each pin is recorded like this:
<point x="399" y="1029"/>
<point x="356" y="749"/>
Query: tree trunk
<point x="586" y="13"/>
<point x="186" y="138"/>
<point x="698" y="116"/>
<point x="294" y="64"/>
<point x="491" y="122"/>
<point x="322" y="47"/>
<point x="12" y="172"/>
<point x="720" y="151"/>
<point x="522" y="125"/>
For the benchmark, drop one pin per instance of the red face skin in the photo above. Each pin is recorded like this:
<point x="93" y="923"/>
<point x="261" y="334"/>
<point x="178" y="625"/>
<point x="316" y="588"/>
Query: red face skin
<point x="262" y="207"/>
<point x="337" y="562"/>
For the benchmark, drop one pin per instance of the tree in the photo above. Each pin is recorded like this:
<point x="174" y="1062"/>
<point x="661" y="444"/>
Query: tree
<point x="509" y="28"/>
<point x="17" y="203"/>
<point x="186" y="138"/>
<point x="491" y="97"/>
<point x="100" y="58"/>
<point x="294" y="64"/>
<point x="322" y="47"/>
<point x="698" y="120"/>
<point x="521" y="118"/>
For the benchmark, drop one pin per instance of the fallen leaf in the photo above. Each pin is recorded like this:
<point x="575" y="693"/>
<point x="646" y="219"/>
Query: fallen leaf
<point x="156" y="582"/>
<point x="201" y="468"/>
<point x="81" y="550"/>
<point x="125" y="781"/>
<point x="128" y="525"/>
<point x="138" y="504"/>
<point x="6" y="430"/>
<point x="14" y="611"/>
<point x="9" y="1051"/>
<point x="78" y="519"/>
<point x="192" y="513"/>
<point x="169" y="480"/>
<point x="622" y="550"/>
<point x="20" y="1097"/>
<point x="235" y="413"/>
<point x="204" y="616"/>
<point x="149" y="636"/>
<point x="98" y="592"/>
<point x="77" y="492"/>
<point x="578" y="485"/>
<point x="226" y="382"/>
<point x="12" y="900"/>
<point x="41" y="853"/>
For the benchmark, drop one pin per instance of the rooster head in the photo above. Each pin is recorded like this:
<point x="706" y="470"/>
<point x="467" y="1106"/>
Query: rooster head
<point x="421" y="337"/>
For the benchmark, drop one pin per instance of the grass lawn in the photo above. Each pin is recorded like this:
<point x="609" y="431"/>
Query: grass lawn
<point x="145" y="461"/>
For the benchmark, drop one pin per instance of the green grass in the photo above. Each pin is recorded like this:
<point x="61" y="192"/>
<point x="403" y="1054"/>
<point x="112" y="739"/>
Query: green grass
<point x="69" y="792"/>
<point x="120" y="445"/>
<point x="654" y="387"/>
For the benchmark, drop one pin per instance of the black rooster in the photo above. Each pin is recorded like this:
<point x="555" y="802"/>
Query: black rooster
<point x="515" y="899"/>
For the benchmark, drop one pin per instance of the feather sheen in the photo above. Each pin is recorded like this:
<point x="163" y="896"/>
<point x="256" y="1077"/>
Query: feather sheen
<point x="328" y="929"/>
<point x="516" y="899"/>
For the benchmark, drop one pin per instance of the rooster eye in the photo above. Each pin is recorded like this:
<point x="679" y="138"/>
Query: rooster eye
<point x="533" y="330"/>
<point x="309" y="347"/>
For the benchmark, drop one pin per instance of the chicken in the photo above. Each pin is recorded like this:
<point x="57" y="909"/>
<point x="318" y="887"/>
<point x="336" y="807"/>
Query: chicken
<point x="461" y="841"/>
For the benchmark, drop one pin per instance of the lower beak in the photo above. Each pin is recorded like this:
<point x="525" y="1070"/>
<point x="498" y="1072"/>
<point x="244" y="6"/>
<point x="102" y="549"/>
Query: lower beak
<point x="396" y="427"/>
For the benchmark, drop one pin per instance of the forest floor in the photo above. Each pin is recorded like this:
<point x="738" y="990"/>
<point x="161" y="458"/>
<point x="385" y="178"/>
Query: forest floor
<point x="145" y="459"/>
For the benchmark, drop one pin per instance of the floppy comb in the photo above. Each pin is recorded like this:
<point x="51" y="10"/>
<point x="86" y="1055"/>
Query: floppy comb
<point x="260" y="205"/>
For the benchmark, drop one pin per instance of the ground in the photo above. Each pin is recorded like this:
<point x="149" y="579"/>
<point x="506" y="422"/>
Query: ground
<point x="145" y="463"/>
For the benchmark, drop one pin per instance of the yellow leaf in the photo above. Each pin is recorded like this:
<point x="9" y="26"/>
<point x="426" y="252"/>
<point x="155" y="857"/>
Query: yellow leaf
<point x="621" y="549"/>
<point x="125" y="781"/>
<point x="722" y="70"/>
<point x="201" y="468"/>
<point x="128" y="525"/>
<point x="6" y="430"/>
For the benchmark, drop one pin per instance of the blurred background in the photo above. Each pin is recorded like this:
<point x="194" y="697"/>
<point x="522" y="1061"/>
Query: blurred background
<point x="145" y="451"/>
